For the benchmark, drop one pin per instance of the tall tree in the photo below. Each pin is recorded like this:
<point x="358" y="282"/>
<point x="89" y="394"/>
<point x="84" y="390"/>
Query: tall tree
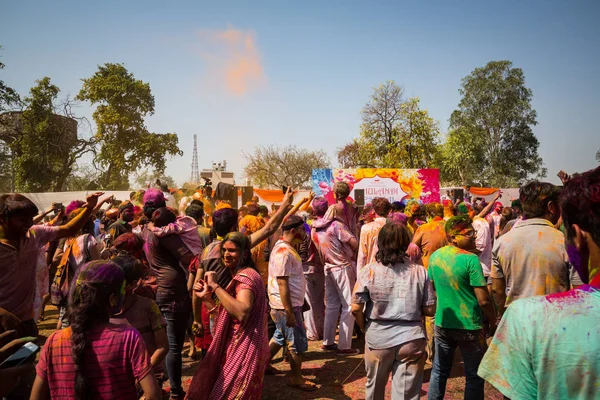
<point x="42" y="140"/>
<point x="275" y="166"/>
<point x="415" y="143"/>
<point x="49" y="146"/>
<point x="395" y="132"/>
<point x="382" y="115"/>
<point x="125" y="144"/>
<point x="461" y="158"/>
<point x="6" y="171"/>
<point x="9" y="98"/>
<point x="496" y="107"/>
<point x="354" y="155"/>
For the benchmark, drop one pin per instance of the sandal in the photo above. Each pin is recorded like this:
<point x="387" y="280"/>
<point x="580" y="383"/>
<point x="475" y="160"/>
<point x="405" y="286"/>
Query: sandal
<point x="305" y="387"/>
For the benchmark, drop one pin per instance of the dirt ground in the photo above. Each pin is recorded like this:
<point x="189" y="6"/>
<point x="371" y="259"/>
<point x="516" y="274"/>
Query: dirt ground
<point x="338" y="377"/>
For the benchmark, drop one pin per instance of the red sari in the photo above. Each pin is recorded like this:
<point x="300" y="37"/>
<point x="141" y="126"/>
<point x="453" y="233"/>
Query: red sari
<point x="235" y="364"/>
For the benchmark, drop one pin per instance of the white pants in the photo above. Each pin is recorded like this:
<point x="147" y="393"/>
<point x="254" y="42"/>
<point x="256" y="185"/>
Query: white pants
<point x="338" y="293"/>
<point x="315" y="297"/>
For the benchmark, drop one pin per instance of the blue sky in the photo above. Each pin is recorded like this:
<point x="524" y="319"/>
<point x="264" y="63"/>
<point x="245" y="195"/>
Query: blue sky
<point x="241" y="74"/>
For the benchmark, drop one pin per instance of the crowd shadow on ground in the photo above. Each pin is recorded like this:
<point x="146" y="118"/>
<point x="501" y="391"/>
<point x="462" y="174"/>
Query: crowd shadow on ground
<point x="337" y="377"/>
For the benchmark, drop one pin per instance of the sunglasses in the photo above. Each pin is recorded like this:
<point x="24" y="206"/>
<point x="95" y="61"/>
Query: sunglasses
<point x="470" y="234"/>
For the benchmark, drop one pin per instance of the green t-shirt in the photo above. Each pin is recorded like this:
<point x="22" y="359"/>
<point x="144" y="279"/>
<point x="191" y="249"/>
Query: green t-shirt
<point x="454" y="273"/>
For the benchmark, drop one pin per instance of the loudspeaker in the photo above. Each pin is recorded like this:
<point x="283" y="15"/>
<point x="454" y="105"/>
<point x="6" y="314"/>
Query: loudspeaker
<point x="234" y="197"/>
<point x="359" y="197"/>
<point x="247" y="193"/>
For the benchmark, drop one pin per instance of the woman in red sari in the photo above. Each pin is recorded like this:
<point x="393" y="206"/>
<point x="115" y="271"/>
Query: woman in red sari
<point x="238" y="355"/>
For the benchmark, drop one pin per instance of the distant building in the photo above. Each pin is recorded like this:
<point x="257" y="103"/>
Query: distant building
<point x="218" y="174"/>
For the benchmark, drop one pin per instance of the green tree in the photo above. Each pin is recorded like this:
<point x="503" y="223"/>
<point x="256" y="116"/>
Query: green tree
<point x="275" y="166"/>
<point x="43" y="144"/>
<point x="395" y="133"/>
<point x="48" y="146"/>
<point x="9" y="98"/>
<point x="415" y="141"/>
<point x="6" y="178"/>
<point x="125" y="144"/>
<point x="461" y="159"/>
<point x="354" y="155"/>
<point x="496" y="109"/>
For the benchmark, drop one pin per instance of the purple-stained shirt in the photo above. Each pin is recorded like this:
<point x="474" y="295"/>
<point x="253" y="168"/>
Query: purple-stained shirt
<point x="331" y="240"/>
<point x="17" y="270"/>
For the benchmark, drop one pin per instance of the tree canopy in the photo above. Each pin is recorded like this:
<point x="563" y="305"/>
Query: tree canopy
<point x="125" y="143"/>
<point x="495" y="119"/>
<point x="43" y="140"/>
<point x="274" y="166"/>
<point x="395" y="133"/>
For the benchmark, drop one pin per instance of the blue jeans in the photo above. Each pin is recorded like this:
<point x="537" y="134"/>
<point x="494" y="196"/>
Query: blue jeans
<point x="176" y="314"/>
<point x="472" y="347"/>
<point x="295" y="337"/>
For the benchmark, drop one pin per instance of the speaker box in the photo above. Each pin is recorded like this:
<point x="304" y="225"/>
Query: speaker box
<point x="234" y="198"/>
<point x="359" y="197"/>
<point x="247" y="193"/>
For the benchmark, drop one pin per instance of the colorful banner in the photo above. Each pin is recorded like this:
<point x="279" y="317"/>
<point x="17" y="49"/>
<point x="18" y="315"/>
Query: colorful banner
<point x="393" y="184"/>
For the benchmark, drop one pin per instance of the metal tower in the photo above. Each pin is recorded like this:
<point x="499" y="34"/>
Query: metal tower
<point x="195" y="178"/>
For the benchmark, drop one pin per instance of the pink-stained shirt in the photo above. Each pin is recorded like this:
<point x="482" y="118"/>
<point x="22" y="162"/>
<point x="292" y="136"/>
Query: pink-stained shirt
<point x="186" y="228"/>
<point x="367" y="249"/>
<point x="331" y="239"/>
<point x="483" y="243"/>
<point x="18" y="270"/>
<point x="494" y="220"/>
<point x="285" y="261"/>
<point x="113" y="361"/>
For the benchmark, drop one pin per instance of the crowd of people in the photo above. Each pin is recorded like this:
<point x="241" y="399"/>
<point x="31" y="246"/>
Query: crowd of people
<point x="516" y="289"/>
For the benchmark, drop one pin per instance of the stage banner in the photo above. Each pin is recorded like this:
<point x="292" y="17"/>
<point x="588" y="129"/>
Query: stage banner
<point x="390" y="183"/>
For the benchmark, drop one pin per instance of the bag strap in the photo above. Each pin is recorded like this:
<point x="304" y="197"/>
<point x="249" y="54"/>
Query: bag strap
<point x="64" y="262"/>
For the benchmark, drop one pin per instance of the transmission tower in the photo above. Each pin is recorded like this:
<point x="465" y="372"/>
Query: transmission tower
<point x="195" y="178"/>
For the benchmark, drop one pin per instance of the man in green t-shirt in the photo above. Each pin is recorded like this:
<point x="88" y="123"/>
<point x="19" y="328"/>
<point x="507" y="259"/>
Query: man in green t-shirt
<point x="462" y="295"/>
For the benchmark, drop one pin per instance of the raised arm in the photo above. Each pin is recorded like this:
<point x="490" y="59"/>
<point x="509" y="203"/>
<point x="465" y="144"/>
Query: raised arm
<point x="38" y="218"/>
<point x="311" y="197"/>
<point x="77" y="223"/>
<point x="487" y="208"/>
<point x="101" y="203"/>
<point x="274" y="221"/>
<point x="296" y="208"/>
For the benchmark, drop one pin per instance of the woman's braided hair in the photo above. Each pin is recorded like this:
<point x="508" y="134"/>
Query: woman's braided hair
<point x="89" y="305"/>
